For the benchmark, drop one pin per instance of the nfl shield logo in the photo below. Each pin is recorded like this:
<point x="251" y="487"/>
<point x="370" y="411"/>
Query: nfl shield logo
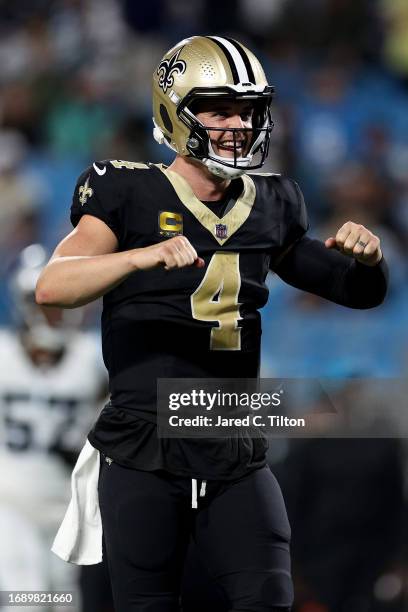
<point x="220" y="230"/>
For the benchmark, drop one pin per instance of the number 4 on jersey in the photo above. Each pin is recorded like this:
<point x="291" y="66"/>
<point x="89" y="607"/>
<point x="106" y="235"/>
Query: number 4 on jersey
<point x="216" y="299"/>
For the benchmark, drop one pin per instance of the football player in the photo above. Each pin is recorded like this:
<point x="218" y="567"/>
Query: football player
<point x="51" y="382"/>
<point x="181" y="254"/>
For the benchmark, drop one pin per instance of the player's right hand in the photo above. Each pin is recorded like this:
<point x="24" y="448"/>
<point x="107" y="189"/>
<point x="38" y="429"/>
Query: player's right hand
<point x="176" y="252"/>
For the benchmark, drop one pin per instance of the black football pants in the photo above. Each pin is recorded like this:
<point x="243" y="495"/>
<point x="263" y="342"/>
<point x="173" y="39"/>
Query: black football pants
<point x="240" y="529"/>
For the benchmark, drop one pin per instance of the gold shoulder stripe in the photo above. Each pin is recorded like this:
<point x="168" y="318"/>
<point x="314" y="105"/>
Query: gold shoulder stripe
<point x="129" y="165"/>
<point x="235" y="217"/>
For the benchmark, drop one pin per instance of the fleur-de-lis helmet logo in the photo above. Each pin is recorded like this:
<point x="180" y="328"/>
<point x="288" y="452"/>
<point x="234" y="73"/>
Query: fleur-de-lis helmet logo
<point x="168" y="68"/>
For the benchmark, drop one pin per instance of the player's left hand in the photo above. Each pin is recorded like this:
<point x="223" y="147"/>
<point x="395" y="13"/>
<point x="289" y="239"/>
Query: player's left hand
<point x="356" y="241"/>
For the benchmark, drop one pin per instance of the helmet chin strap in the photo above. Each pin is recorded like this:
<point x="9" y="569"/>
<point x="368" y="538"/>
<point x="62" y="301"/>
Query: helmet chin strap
<point x="222" y="171"/>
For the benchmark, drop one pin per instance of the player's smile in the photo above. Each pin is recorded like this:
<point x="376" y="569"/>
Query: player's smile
<point x="230" y="146"/>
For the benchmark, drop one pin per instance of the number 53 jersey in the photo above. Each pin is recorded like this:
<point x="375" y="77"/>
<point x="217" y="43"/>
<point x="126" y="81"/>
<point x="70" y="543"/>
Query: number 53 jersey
<point x="190" y="322"/>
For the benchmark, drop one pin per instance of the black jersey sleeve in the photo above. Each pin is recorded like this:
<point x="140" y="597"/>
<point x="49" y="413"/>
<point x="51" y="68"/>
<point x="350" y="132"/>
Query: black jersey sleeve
<point x="312" y="267"/>
<point x="288" y="212"/>
<point x="295" y="219"/>
<point x="97" y="193"/>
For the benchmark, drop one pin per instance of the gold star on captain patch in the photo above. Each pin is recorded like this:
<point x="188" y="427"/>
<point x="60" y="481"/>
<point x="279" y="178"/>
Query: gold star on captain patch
<point x="85" y="192"/>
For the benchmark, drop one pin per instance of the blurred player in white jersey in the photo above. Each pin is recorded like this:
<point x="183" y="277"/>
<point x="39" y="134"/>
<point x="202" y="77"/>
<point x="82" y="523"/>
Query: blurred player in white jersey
<point x="52" y="381"/>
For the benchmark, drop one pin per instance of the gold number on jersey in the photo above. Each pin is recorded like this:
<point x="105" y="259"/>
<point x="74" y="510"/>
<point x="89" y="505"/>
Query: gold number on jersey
<point x="129" y="165"/>
<point x="216" y="299"/>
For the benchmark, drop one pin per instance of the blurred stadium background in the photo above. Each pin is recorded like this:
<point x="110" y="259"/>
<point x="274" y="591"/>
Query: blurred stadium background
<point x="75" y="87"/>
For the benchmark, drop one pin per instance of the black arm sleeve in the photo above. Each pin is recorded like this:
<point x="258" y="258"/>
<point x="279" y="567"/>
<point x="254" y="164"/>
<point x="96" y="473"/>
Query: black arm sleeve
<point x="310" y="266"/>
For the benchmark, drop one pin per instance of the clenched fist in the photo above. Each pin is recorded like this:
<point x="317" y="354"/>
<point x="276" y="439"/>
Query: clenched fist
<point x="176" y="252"/>
<point x="356" y="241"/>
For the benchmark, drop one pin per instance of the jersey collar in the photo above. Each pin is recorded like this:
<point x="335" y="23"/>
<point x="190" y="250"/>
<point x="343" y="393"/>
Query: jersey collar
<point x="232" y="220"/>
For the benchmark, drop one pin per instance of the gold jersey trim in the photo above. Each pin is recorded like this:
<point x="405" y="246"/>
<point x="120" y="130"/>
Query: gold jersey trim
<point x="234" y="218"/>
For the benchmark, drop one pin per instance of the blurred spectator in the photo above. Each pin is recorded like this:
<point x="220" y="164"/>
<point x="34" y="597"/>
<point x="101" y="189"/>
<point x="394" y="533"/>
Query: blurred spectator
<point x="359" y="193"/>
<point x="21" y="197"/>
<point x="81" y="119"/>
<point x="259" y="16"/>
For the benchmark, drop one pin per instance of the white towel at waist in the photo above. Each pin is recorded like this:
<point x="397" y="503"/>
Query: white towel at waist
<point x="79" y="538"/>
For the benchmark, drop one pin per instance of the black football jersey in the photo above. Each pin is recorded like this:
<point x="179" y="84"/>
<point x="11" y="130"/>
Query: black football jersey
<point x="190" y="322"/>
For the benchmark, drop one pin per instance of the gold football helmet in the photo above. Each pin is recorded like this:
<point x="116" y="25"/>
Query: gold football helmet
<point x="208" y="67"/>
